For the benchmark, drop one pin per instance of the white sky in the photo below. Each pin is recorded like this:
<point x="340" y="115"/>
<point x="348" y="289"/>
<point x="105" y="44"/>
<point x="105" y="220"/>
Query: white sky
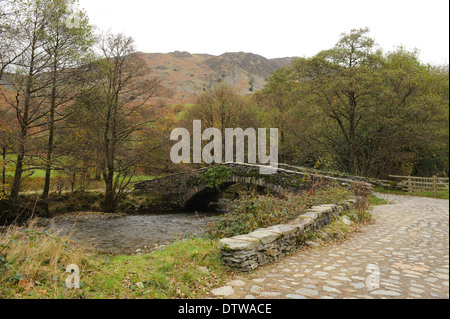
<point x="274" y="28"/>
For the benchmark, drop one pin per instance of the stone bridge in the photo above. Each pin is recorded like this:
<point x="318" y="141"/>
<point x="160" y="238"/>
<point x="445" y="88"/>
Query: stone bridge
<point x="187" y="190"/>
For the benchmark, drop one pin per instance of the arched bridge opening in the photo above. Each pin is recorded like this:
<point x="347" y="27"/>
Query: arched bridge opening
<point x="218" y="199"/>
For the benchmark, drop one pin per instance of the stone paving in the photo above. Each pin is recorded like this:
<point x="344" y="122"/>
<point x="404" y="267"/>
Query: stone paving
<point x="403" y="254"/>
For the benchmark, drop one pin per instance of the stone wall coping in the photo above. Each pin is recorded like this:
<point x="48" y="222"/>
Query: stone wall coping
<point x="270" y="234"/>
<point x="236" y="244"/>
<point x="265" y="235"/>
<point x="284" y="229"/>
<point x="313" y="214"/>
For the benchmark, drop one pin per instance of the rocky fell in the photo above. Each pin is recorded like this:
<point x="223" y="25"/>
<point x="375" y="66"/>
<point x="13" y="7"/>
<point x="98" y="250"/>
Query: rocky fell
<point x="187" y="75"/>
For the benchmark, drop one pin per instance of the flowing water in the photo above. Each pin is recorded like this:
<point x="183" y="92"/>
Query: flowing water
<point x="128" y="234"/>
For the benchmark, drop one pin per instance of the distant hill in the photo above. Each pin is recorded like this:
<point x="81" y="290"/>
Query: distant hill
<point x="187" y="75"/>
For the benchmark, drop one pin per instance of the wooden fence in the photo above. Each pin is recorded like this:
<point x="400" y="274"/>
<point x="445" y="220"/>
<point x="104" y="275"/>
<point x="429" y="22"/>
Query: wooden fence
<point x="423" y="184"/>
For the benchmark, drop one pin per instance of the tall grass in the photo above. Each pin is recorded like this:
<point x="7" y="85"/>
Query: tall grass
<point x="30" y="257"/>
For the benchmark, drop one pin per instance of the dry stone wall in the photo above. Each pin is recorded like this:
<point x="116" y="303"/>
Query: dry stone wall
<point x="267" y="245"/>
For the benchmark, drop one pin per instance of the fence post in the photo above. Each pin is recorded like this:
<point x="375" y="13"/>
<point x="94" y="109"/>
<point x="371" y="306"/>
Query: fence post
<point x="435" y="185"/>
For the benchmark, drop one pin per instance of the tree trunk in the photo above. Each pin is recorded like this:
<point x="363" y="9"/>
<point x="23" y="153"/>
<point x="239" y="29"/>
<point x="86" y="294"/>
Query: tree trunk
<point x="352" y="135"/>
<point x="51" y="134"/>
<point x="15" y="188"/>
<point x="23" y="116"/>
<point x="48" y="168"/>
<point x="109" y="204"/>
<point x="72" y="184"/>
<point x="4" y="168"/>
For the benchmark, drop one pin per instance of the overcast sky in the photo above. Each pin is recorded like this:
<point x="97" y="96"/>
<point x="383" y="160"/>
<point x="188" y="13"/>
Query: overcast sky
<point x="275" y="28"/>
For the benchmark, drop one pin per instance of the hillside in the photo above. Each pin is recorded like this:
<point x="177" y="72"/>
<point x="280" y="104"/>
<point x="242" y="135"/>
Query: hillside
<point x="187" y="74"/>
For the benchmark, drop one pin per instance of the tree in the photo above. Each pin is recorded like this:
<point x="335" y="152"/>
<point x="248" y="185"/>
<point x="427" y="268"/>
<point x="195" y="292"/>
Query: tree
<point x="376" y="106"/>
<point x="220" y="107"/>
<point x="156" y="158"/>
<point x="338" y="80"/>
<point x="28" y="80"/>
<point x="121" y="113"/>
<point x="431" y="155"/>
<point x="403" y="119"/>
<point x="280" y="106"/>
<point x="45" y="54"/>
<point x="67" y="48"/>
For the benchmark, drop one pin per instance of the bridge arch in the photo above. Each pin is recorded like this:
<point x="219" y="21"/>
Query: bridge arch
<point x="200" y="198"/>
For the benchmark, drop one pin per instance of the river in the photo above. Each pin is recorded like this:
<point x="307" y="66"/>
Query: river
<point x="129" y="234"/>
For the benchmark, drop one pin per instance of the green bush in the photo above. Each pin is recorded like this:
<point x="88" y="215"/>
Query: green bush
<point x="215" y="177"/>
<point x="254" y="212"/>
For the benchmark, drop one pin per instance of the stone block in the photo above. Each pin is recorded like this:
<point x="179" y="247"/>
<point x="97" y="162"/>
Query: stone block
<point x="305" y="222"/>
<point x="233" y="244"/>
<point x="223" y="291"/>
<point x="247" y="238"/>
<point x="265" y="236"/>
<point x="346" y="220"/>
<point x="322" y="209"/>
<point x="283" y="229"/>
<point x="311" y="214"/>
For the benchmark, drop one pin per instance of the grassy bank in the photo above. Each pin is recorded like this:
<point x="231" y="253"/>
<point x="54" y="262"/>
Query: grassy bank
<point x="33" y="264"/>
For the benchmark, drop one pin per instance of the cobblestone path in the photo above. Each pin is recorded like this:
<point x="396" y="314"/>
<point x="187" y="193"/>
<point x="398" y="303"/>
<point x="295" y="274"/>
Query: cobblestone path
<point x="408" y="243"/>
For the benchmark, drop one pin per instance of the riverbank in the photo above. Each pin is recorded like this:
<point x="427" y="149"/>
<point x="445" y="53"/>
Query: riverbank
<point x="33" y="264"/>
<point x="32" y="205"/>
